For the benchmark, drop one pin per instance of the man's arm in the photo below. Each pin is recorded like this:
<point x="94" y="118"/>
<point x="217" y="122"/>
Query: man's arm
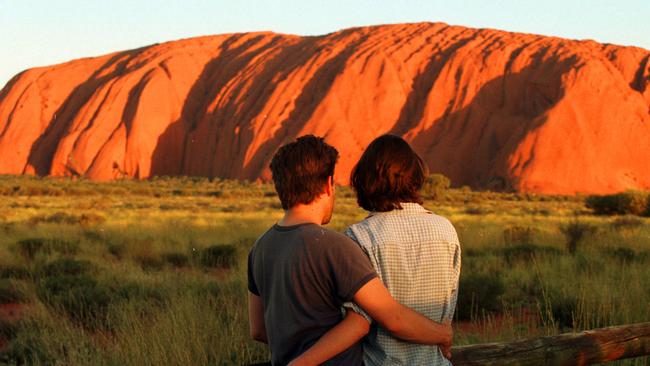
<point x="256" y="318"/>
<point x="400" y="321"/>
<point x="345" y="334"/>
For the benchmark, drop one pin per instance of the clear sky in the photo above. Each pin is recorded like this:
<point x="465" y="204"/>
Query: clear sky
<point x="44" y="32"/>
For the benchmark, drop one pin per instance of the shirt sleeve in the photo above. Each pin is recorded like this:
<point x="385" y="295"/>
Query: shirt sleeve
<point x="252" y="286"/>
<point x="350" y="234"/>
<point x="351" y="306"/>
<point x="350" y="267"/>
<point x="455" y="273"/>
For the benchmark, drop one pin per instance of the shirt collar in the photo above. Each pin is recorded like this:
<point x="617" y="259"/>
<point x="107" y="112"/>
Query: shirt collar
<point x="407" y="208"/>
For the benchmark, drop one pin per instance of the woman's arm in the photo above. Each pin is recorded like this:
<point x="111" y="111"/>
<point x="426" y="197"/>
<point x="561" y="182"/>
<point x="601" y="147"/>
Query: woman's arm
<point x="343" y="336"/>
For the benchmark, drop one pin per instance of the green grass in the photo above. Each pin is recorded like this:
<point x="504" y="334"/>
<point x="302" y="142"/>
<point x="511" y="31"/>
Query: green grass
<point x="153" y="272"/>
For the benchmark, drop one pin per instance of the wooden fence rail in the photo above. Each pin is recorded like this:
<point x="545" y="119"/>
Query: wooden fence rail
<point x="592" y="346"/>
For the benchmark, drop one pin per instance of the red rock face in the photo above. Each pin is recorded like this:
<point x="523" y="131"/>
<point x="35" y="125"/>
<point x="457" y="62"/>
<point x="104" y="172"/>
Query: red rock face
<point x="487" y="108"/>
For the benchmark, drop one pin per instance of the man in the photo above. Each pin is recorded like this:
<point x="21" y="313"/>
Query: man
<point x="300" y="274"/>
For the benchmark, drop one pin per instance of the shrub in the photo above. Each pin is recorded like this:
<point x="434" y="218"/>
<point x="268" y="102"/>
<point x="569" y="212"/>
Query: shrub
<point x="473" y="252"/>
<point x="116" y="249"/>
<point x="63" y="246"/>
<point x="589" y="263"/>
<point x="514" y="235"/>
<point x="475" y="210"/>
<point x="141" y="191"/>
<point x="14" y="272"/>
<point x="176" y="259"/>
<point x="7" y="227"/>
<point x="85" y="219"/>
<point x="626" y="203"/>
<point x="168" y="207"/>
<point x="56" y="218"/>
<point x="623" y="254"/>
<point x="212" y="288"/>
<point x="149" y="261"/>
<point x="8" y="330"/>
<point x="436" y="186"/>
<point x="27" y="348"/>
<point x="93" y="235"/>
<point x="643" y="256"/>
<point x="219" y="255"/>
<point x="574" y="232"/>
<point x="81" y="298"/>
<point x="526" y="252"/>
<point x="478" y="293"/>
<point x="136" y="291"/>
<point x="67" y="266"/>
<point x="28" y="248"/>
<point x="89" y="219"/>
<point x="532" y="289"/>
<point x="564" y="311"/>
<point x="627" y="222"/>
<point x="10" y="292"/>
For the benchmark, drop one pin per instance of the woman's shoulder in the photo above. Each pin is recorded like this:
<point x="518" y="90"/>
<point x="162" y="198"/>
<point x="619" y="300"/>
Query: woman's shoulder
<point x="444" y="227"/>
<point x="379" y="226"/>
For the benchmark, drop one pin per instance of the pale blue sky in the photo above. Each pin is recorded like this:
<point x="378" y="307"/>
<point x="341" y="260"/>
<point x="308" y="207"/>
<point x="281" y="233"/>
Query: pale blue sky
<point x="42" y="32"/>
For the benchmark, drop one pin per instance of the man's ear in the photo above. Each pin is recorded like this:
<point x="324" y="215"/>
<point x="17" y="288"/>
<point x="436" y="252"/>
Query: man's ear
<point x="329" y="187"/>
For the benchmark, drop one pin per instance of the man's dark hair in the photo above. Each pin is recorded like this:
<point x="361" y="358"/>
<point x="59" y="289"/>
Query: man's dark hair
<point x="301" y="169"/>
<point x="388" y="172"/>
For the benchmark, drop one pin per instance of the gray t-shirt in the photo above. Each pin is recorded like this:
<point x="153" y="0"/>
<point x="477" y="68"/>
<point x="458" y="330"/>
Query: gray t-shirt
<point x="303" y="274"/>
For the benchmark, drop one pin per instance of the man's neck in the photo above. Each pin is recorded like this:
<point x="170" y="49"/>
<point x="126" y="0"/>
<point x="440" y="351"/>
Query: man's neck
<point x="302" y="214"/>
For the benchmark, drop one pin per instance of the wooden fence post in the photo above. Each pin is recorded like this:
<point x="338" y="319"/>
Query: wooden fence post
<point x="584" y="348"/>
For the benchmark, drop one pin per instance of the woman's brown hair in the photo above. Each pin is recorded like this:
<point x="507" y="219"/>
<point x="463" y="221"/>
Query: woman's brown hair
<point x="388" y="172"/>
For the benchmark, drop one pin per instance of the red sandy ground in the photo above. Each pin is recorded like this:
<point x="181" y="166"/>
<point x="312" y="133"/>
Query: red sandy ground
<point x="494" y="325"/>
<point x="11" y="313"/>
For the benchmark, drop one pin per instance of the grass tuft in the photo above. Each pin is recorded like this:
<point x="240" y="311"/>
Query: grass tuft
<point x="219" y="256"/>
<point x="479" y="293"/>
<point x="11" y="292"/>
<point x="67" y="266"/>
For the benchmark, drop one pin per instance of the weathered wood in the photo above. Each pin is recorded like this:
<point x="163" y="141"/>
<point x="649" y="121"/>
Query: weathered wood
<point x="592" y="346"/>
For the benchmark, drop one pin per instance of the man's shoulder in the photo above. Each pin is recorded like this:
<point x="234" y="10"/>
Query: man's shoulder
<point x="311" y="235"/>
<point x="261" y="240"/>
<point x="333" y="238"/>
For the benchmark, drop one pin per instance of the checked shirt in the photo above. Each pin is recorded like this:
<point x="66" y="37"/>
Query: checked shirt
<point x="417" y="256"/>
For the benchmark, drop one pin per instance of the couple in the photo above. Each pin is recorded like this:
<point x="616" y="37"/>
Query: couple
<point x="382" y="294"/>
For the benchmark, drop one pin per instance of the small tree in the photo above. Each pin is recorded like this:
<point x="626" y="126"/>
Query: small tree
<point x="574" y="232"/>
<point x="435" y="186"/>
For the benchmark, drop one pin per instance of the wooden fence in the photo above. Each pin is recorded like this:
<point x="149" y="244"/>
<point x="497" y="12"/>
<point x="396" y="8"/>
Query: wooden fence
<point x="592" y="346"/>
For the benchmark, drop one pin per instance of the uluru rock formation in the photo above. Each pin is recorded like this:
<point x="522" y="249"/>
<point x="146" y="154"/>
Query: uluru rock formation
<point x="487" y="108"/>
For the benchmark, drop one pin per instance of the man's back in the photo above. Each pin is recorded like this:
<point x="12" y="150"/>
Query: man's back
<point x="417" y="256"/>
<point x="303" y="274"/>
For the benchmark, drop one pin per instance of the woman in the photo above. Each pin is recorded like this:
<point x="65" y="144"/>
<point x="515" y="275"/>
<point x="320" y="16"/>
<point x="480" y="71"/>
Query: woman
<point x="415" y="253"/>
